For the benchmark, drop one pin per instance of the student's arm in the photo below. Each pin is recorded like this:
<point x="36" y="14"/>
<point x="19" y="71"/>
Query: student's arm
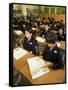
<point x="35" y="47"/>
<point x="60" y="62"/>
<point x="44" y="54"/>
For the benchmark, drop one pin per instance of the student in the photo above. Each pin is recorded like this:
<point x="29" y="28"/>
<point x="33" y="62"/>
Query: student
<point x="30" y="43"/>
<point x="52" y="53"/>
<point x="61" y="35"/>
<point x="44" y="21"/>
<point x="43" y="31"/>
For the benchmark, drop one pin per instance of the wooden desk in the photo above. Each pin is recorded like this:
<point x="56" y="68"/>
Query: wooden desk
<point x="54" y="76"/>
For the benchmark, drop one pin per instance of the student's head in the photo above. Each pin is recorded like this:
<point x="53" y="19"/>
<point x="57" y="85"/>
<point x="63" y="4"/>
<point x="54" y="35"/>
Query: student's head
<point x="60" y="31"/>
<point x="44" y="18"/>
<point x="28" y="33"/>
<point x="46" y="26"/>
<point x="51" y="39"/>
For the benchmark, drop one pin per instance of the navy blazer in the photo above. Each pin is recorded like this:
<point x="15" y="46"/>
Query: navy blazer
<point x="53" y="56"/>
<point x="30" y="45"/>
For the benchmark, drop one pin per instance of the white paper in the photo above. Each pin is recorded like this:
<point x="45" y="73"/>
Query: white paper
<point x="18" y="32"/>
<point x="18" y="53"/>
<point x="37" y="67"/>
<point x="39" y="39"/>
<point x="58" y="44"/>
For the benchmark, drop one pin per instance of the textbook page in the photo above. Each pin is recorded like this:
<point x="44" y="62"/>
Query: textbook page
<point x="19" y="52"/>
<point x="40" y="39"/>
<point x="37" y="67"/>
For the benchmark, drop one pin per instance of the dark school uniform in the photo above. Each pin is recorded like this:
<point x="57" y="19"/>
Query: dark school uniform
<point x="53" y="56"/>
<point x="61" y="37"/>
<point x="43" y="33"/>
<point x="30" y="45"/>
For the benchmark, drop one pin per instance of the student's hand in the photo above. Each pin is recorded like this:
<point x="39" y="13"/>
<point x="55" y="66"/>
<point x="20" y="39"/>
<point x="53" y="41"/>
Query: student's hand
<point x="47" y="64"/>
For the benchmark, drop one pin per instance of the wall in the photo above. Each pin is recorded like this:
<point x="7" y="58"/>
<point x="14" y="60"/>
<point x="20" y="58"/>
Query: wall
<point x="56" y="16"/>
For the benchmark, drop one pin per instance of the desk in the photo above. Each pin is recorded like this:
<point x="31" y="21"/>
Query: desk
<point x="54" y="76"/>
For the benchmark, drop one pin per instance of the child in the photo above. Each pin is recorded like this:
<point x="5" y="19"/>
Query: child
<point x="61" y="35"/>
<point x="43" y="31"/>
<point x="52" y="53"/>
<point x="30" y="43"/>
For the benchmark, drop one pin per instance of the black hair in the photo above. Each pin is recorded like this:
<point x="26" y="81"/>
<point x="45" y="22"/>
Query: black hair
<point x="29" y="30"/>
<point x="44" y="18"/>
<point x="51" y="37"/>
<point x="46" y="23"/>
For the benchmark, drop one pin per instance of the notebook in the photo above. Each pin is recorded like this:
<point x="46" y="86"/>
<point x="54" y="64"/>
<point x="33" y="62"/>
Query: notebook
<point x="37" y="67"/>
<point x="18" y="53"/>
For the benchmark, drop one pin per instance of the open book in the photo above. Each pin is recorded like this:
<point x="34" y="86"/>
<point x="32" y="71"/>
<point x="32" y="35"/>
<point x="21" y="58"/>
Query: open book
<point x="37" y="67"/>
<point x="19" y="52"/>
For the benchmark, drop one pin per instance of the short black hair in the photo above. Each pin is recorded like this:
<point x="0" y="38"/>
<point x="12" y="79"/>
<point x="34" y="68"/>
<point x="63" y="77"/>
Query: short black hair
<point x="29" y="30"/>
<point x="51" y="37"/>
<point x="46" y="23"/>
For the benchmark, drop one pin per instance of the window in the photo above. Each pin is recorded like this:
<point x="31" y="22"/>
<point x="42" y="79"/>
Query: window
<point x="52" y="10"/>
<point x="60" y="10"/>
<point x="46" y="10"/>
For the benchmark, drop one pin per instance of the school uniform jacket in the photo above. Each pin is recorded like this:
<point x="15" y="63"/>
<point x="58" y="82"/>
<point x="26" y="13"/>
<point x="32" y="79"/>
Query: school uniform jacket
<point x="61" y="37"/>
<point x="30" y="45"/>
<point x="53" y="56"/>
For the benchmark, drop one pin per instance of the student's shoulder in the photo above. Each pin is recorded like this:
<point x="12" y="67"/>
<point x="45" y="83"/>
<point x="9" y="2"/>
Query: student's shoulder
<point x="33" y="39"/>
<point x="46" y="48"/>
<point x="56" y="49"/>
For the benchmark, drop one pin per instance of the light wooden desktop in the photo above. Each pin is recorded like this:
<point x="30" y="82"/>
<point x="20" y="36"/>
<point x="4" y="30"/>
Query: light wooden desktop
<point x="54" y="76"/>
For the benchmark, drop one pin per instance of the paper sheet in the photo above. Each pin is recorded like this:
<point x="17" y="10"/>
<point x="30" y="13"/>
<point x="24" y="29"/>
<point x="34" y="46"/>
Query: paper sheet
<point x="18" y="53"/>
<point x="18" y="32"/>
<point x="37" y="67"/>
<point x="39" y="39"/>
<point x="58" y="44"/>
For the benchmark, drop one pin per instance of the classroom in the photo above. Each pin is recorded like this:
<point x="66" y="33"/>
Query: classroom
<point x="39" y="44"/>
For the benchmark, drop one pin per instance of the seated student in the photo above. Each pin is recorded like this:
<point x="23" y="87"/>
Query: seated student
<point x="61" y="35"/>
<point x="30" y="43"/>
<point x="52" y="53"/>
<point x="44" y="21"/>
<point x="51" y="20"/>
<point x="43" y="31"/>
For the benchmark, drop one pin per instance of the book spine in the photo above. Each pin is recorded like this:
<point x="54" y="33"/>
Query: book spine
<point x="10" y="44"/>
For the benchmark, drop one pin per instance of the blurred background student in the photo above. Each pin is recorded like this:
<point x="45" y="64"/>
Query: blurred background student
<point x="43" y="30"/>
<point x="61" y="34"/>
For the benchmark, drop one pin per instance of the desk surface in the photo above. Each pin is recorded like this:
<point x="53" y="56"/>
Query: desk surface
<point x="54" y="76"/>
